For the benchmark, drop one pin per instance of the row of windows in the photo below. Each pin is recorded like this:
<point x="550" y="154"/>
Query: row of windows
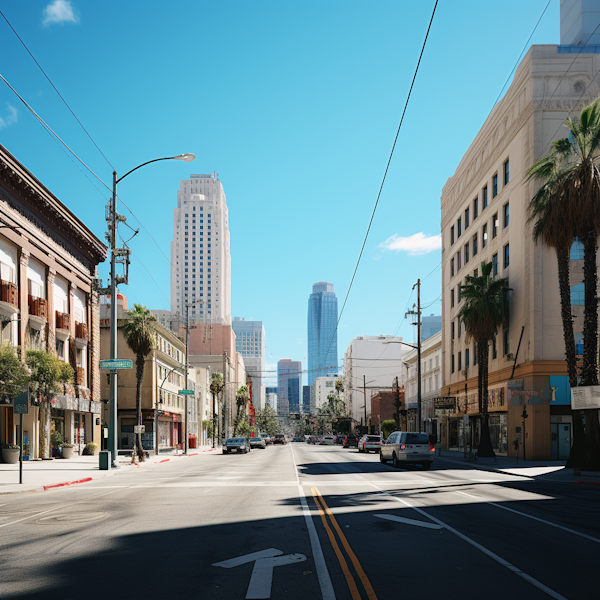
<point x="484" y="197"/>
<point x="465" y="253"/>
<point x="459" y="365"/>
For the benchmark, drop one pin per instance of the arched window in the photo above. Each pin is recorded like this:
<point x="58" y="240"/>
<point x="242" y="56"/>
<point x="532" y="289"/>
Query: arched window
<point x="577" y="250"/>
<point x="578" y="295"/>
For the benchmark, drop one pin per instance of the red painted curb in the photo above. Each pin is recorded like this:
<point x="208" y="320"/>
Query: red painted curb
<point x="193" y="454"/>
<point x="57" y="485"/>
<point x="165" y="460"/>
<point x="588" y="482"/>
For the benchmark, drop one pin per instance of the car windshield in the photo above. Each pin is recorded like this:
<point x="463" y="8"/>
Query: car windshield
<point x="417" y="438"/>
<point x="236" y="440"/>
<point x="373" y="438"/>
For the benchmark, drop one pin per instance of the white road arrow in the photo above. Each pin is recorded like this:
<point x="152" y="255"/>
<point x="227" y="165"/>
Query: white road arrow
<point x="409" y="521"/>
<point x="262" y="574"/>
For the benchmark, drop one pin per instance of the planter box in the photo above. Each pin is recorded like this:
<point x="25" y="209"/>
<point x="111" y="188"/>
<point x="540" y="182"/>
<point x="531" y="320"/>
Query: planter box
<point x="10" y="456"/>
<point x="67" y="452"/>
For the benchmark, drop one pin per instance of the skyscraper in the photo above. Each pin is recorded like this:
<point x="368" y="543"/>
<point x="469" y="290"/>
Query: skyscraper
<point x="250" y="343"/>
<point x="200" y="256"/>
<point x="289" y="379"/>
<point x="322" y="332"/>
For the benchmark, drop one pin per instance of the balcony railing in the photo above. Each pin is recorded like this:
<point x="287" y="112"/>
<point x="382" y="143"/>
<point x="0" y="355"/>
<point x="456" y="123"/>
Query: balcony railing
<point x="8" y="293"/>
<point x="38" y="307"/>
<point x="63" y="321"/>
<point x="81" y="376"/>
<point x="81" y="331"/>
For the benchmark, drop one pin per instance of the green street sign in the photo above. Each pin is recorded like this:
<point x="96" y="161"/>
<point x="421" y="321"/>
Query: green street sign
<point x="116" y="364"/>
<point x="186" y="392"/>
<point x="21" y="404"/>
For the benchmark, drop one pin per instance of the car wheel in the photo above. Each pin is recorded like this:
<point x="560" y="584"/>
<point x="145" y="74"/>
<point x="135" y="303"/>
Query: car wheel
<point x="426" y="466"/>
<point x="395" y="461"/>
<point x="382" y="460"/>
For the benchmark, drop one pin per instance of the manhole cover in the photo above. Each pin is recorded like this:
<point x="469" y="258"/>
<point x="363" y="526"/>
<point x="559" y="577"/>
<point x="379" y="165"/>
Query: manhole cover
<point x="76" y="518"/>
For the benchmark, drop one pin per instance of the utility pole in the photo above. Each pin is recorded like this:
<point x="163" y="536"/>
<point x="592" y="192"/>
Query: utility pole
<point x="185" y="384"/>
<point x="418" y="314"/>
<point x="225" y="413"/>
<point x="365" y="393"/>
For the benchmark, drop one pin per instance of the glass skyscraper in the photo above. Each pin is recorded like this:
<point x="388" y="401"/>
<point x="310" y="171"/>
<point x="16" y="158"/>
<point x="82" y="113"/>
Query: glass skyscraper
<point x="289" y="379"/>
<point x="322" y="332"/>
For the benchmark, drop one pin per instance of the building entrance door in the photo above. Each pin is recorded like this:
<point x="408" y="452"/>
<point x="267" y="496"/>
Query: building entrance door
<point x="560" y="447"/>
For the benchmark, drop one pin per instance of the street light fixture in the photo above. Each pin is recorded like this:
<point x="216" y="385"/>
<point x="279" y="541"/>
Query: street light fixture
<point x="112" y="221"/>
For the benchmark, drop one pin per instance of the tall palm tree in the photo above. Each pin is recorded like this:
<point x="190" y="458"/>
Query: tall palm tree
<point x="484" y="311"/>
<point x="568" y="206"/>
<point x="138" y="331"/>
<point x="241" y="398"/>
<point x="216" y="387"/>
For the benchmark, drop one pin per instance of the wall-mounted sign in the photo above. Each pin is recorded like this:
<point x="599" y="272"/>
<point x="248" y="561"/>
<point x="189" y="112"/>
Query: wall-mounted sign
<point x="585" y="397"/>
<point x="444" y="402"/>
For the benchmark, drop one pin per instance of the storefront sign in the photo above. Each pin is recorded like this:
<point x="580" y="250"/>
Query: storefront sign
<point x="585" y="397"/>
<point x="65" y="402"/>
<point x="516" y="384"/>
<point x="522" y="397"/>
<point x="444" y="402"/>
<point x="21" y="406"/>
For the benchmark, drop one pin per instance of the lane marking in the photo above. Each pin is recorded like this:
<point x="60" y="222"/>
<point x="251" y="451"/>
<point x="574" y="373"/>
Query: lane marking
<point x="362" y="575"/>
<point x="325" y="584"/>
<point x="261" y="581"/>
<point x="409" y="521"/>
<point x="246" y="558"/>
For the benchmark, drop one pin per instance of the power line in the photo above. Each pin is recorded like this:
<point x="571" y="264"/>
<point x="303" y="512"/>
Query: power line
<point x="384" y="176"/>
<point x="59" y="94"/>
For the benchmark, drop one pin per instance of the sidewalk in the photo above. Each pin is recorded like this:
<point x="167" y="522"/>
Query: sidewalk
<point x="549" y="470"/>
<point x="44" y="475"/>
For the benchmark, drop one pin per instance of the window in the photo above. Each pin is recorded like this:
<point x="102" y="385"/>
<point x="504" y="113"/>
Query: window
<point x="452" y="363"/>
<point x="452" y="298"/>
<point x="459" y="362"/>
<point x="466" y="253"/>
<point x="475" y="208"/>
<point x="451" y="267"/>
<point x="495" y="185"/>
<point x="485" y="198"/>
<point x="485" y="236"/>
<point x="458" y="289"/>
<point x="494" y="350"/>
<point x="506" y="215"/>
<point x="475" y="249"/>
<point x="577" y="250"/>
<point x="458" y="261"/>
<point x="452" y="235"/>
<point x="458" y="228"/>
<point x="452" y="330"/>
<point x="506" y="172"/>
<point x="578" y="295"/>
<point x="458" y="328"/>
<point x="466" y="357"/>
<point x="466" y="217"/>
<point x="506" y="256"/>
<point x="474" y="353"/>
<point x="495" y="264"/>
<point x="506" y="342"/>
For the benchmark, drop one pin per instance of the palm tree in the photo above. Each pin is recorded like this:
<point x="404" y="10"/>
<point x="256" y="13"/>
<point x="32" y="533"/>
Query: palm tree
<point x="138" y="331"/>
<point x="216" y="386"/>
<point x="568" y="206"/>
<point x="484" y="311"/>
<point x="241" y="398"/>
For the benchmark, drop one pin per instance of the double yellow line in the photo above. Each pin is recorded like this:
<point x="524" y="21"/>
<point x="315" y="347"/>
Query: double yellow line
<point x="324" y="512"/>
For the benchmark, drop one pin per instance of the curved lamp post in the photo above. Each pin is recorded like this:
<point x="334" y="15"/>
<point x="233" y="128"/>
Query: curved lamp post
<point x="112" y="430"/>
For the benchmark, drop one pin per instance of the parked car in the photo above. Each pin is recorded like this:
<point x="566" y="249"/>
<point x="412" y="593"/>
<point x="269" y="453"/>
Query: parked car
<point x="311" y="439"/>
<point x="298" y="439"/>
<point x="339" y="439"/>
<point x="279" y="439"/>
<point x="351" y="441"/>
<point x="239" y="444"/>
<point x="258" y="442"/>
<point x="369" y="443"/>
<point x="408" y="448"/>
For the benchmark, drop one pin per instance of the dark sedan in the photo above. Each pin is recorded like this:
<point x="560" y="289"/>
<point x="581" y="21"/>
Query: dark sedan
<point x="257" y="442"/>
<point x="351" y="442"/>
<point x="239" y="444"/>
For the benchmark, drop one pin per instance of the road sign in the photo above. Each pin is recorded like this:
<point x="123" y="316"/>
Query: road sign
<point x="21" y="406"/>
<point x="116" y="363"/>
<point x="186" y="392"/>
<point x="139" y="429"/>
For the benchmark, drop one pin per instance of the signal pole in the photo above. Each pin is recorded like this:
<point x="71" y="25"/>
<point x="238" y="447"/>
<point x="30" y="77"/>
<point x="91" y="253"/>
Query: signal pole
<point x="418" y="314"/>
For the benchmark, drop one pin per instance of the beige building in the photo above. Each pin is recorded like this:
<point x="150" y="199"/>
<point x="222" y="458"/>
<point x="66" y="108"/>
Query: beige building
<point x="48" y="261"/>
<point x="484" y="218"/>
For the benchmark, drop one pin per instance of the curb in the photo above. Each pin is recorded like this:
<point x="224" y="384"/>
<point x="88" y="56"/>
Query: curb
<point x="483" y="468"/>
<point x="58" y="485"/>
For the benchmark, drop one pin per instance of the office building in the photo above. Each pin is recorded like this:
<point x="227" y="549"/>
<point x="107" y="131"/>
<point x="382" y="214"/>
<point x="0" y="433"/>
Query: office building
<point x="200" y="256"/>
<point x="305" y="408"/>
<point x="320" y="389"/>
<point x="271" y="396"/>
<point x="322" y="331"/>
<point x="250" y="343"/>
<point x="430" y="326"/>
<point x="289" y="378"/>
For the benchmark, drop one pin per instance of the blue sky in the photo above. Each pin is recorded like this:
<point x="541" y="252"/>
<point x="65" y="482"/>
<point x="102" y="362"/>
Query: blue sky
<point x="296" y="105"/>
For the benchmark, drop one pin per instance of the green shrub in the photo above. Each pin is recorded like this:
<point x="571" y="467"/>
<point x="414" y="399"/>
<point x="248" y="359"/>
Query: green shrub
<point x="56" y="439"/>
<point x="10" y="447"/>
<point x="388" y="427"/>
<point x="68" y="446"/>
<point x="90" y="448"/>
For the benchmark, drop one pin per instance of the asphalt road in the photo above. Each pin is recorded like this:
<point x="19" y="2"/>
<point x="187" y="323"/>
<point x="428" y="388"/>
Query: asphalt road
<point x="304" y="522"/>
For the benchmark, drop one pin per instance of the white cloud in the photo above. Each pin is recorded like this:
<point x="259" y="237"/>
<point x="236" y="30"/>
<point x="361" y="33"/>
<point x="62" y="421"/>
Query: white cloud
<point x="11" y="118"/>
<point x="419" y="243"/>
<point x="60" y="11"/>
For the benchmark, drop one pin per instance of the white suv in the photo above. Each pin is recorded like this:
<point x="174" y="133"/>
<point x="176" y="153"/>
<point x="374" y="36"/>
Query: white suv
<point x="408" y="448"/>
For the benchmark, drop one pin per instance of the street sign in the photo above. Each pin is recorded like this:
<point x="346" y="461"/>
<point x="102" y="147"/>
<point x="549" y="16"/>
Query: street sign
<point x="186" y="392"/>
<point x="21" y="406"/>
<point x="116" y="363"/>
<point x="139" y="429"/>
<point x="585" y="397"/>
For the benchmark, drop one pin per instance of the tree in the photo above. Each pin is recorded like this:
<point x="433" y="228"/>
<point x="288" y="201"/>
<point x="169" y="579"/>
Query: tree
<point x="208" y="427"/>
<point x="216" y="387"/>
<point x="47" y="375"/>
<point x="243" y="429"/>
<point x="241" y="399"/>
<point x="484" y="310"/>
<point x="388" y="427"/>
<point x="566" y="206"/>
<point x="13" y="375"/>
<point x="266" y="421"/>
<point x="138" y="331"/>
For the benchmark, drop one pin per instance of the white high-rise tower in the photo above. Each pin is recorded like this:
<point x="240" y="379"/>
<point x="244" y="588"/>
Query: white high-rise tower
<point x="200" y="256"/>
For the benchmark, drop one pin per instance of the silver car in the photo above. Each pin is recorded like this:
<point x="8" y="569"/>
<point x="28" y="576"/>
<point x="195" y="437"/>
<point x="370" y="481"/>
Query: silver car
<point x="404" y="447"/>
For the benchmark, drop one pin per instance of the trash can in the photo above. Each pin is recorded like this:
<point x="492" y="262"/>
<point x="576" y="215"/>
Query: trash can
<point x="104" y="460"/>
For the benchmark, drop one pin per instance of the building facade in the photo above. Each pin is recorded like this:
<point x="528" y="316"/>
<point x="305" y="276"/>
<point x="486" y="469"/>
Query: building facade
<point x="271" y="396"/>
<point x="289" y="382"/>
<point x="320" y="389"/>
<point x="48" y="264"/>
<point x="200" y="254"/>
<point x="430" y="325"/>
<point x="251" y="344"/>
<point x="322" y="331"/>
<point x="484" y="218"/>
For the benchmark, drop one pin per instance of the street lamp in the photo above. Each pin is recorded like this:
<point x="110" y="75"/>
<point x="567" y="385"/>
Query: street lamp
<point x="112" y="430"/>
<point x="185" y="385"/>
